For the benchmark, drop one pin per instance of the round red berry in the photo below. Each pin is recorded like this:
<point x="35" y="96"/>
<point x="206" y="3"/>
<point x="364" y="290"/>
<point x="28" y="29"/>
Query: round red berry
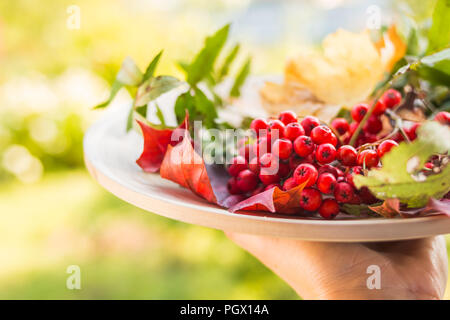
<point x="308" y="123"/>
<point x="258" y="189"/>
<point x="310" y="199"/>
<point x="267" y="176"/>
<point x="322" y="134"/>
<point x="276" y="128"/>
<point x="304" y="146"/>
<point x="340" y="125"/>
<point x="233" y="187"/>
<point x="325" y="153"/>
<point x="268" y="160"/>
<point x="373" y="125"/>
<point x="264" y="145"/>
<point x="287" y="117"/>
<point x="294" y="161"/>
<point x="391" y="98"/>
<point x="352" y="172"/>
<point x="238" y="164"/>
<point x="254" y="165"/>
<point x="271" y="186"/>
<point x="359" y="111"/>
<point x="368" y="158"/>
<point x="330" y="169"/>
<point x="284" y="169"/>
<point x="347" y="155"/>
<point x="411" y="131"/>
<point x="305" y="173"/>
<point x="329" y="209"/>
<point x="443" y="117"/>
<point x="385" y="147"/>
<point x="289" y="183"/>
<point x="379" y="108"/>
<point x="343" y="192"/>
<point x="293" y="130"/>
<point x="260" y="126"/>
<point x="246" y="180"/>
<point x="282" y="148"/>
<point x="326" y="183"/>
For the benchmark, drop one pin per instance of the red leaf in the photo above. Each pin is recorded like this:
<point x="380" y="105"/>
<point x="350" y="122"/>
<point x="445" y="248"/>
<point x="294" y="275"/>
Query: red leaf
<point x="273" y="200"/>
<point x="155" y="145"/>
<point x="389" y="208"/>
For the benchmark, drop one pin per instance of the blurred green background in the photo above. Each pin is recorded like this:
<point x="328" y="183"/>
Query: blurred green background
<point x="52" y="213"/>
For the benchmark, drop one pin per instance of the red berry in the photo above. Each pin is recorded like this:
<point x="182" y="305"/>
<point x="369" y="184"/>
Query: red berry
<point x="289" y="184"/>
<point x="325" y="153"/>
<point x="329" y="209"/>
<point x="264" y="145"/>
<point x="429" y="165"/>
<point x="238" y="164"/>
<point x="443" y="117"/>
<point x="304" y="146"/>
<point x="260" y="126"/>
<point x="411" y="131"/>
<point x="305" y="173"/>
<point x="276" y="128"/>
<point x="310" y="199"/>
<point x="347" y="155"/>
<point x="379" y="108"/>
<point x="322" y="134"/>
<point x="344" y="192"/>
<point x="340" y="125"/>
<point x="391" y="98"/>
<point x="254" y="165"/>
<point x="369" y="158"/>
<point x="359" y="111"/>
<point x="269" y="160"/>
<point x="246" y="180"/>
<point x="353" y="127"/>
<point x="259" y="189"/>
<point x="267" y="176"/>
<point x="293" y="130"/>
<point x="373" y="125"/>
<point x="271" y="186"/>
<point x="295" y="161"/>
<point x="308" y="123"/>
<point x="366" y="196"/>
<point x="287" y="117"/>
<point x="385" y="147"/>
<point x="326" y="183"/>
<point x="353" y="171"/>
<point x="282" y="148"/>
<point x="284" y="169"/>
<point x="330" y="169"/>
<point x="233" y="187"/>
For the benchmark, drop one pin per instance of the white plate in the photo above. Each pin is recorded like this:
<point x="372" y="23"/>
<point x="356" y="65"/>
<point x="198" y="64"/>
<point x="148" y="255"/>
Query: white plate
<point x="110" y="156"/>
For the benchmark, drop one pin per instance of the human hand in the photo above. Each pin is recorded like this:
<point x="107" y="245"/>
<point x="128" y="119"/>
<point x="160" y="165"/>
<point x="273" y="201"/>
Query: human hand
<point x="413" y="269"/>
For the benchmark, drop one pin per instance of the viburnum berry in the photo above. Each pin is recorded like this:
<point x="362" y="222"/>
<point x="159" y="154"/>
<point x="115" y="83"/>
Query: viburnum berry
<point x="359" y="111"/>
<point x="411" y="131"/>
<point x="238" y="164"/>
<point x="248" y="151"/>
<point x="271" y="186"/>
<point x="254" y="165"/>
<point x="443" y="117"/>
<point x="305" y="172"/>
<point x="293" y="130"/>
<point x="264" y="145"/>
<point x="326" y="183"/>
<point x="352" y="172"/>
<point x="330" y="169"/>
<point x="373" y="125"/>
<point x="344" y="192"/>
<point x="233" y="187"/>
<point x="347" y="155"/>
<point x="340" y="125"/>
<point x="325" y="153"/>
<point x="308" y="123"/>
<point x="276" y="127"/>
<point x="287" y="117"/>
<point x="369" y="138"/>
<point x="385" y="147"/>
<point x="379" y="108"/>
<point x="322" y="134"/>
<point x="368" y="158"/>
<point x="284" y="169"/>
<point x="295" y="161"/>
<point x="246" y="180"/>
<point x="260" y="126"/>
<point x="267" y="176"/>
<point x="269" y="160"/>
<point x="353" y="126"/>
<point x="258" y="190"/>
<point x="391" y="98"/>
<point x="329" y="209"/>
<point x="310" y="199"/>
<point x="282" y="148"/>
<point x="289" y="183"/>
<point x="304" y="146"/>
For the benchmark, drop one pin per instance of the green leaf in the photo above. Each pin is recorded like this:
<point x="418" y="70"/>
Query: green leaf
<point x="154" y="87"/>
<point x="223" y="71"/>
<point x="116" y="86"/>
<point x="205" y="107"/>
<point x="436" y="67"/>
<point x="184" y="102"/>
<point x="204" y="61"/>
<point x="358" y="209"/>
<point x="150" y="71"/>
<point x="240" y="79"/>
<point x="400" y="178"/>
<point x="129" y="73"/>
<point x="160" y="115"/>
<point x="439" y="34"/>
